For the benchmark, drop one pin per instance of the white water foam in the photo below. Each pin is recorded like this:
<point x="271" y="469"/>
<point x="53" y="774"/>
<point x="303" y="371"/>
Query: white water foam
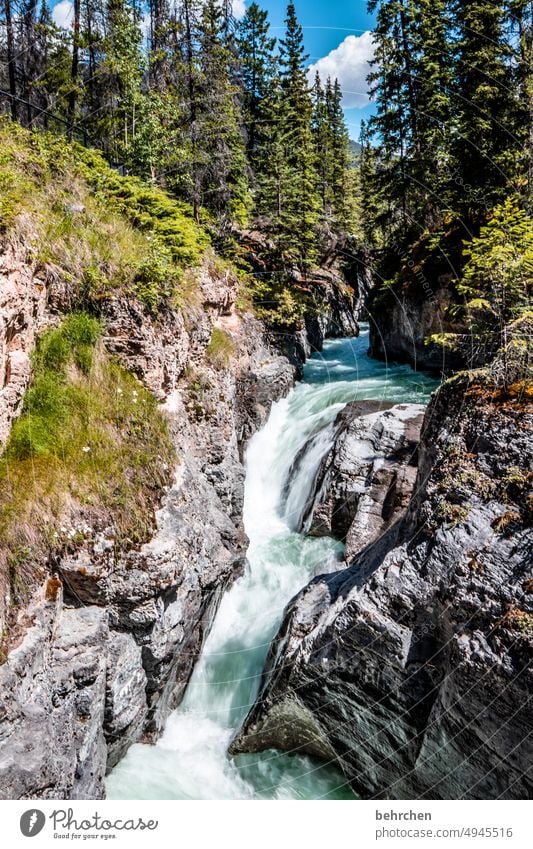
<point x="190" y="760"/>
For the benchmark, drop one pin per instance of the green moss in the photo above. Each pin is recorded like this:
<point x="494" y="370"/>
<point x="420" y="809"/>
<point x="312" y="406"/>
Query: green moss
<point x="102" y="231"/>
<point x="452" y="514"/>
<point x="221" y="347"/>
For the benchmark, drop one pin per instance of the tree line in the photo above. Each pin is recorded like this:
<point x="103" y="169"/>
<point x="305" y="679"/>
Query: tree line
<point x="453" y="133"/>
<point x="446" y="166"/>
<point x="214" y="110"/>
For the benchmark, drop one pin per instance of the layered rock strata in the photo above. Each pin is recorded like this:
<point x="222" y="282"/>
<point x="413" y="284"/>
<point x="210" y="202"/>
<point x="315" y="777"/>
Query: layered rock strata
<point x="365" y="481"/>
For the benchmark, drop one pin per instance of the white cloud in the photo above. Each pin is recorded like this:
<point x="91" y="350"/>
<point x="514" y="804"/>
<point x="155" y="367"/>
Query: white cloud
<point x="349" y="63"/>
<point x="62" y="14"/>
<point x="238" y="8"/>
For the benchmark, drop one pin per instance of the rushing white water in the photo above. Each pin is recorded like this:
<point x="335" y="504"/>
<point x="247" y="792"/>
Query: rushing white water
<point x="190" y="760"/>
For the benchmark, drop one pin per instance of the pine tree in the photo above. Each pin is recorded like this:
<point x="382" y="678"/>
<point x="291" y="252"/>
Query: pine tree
<point x="340" y="156"/>
<point x="255" y="48"/>
<point x="272" y="164"/>
<point x="484" y="146"/>
<point x="74" y="67"/>
<point x="332" y="153"/>
<point x="391" y="123"/>
<point x="497" y="281"/>
<point x="371" y="209"/>
<point x="520" y="25"/>
<point x="222" y="169"/>
<point x="120" y="76"/>
<point x="11" y="58"/>
<point x="301" y="202"/>
<point x="433" y="64"/>
<point x="322" y="140"/>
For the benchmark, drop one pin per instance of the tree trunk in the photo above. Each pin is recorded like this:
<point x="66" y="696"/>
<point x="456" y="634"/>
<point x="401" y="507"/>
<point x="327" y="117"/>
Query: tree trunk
<point x="73" y="95"/>
<point x="11" y="58"/>
<point x="192" y="107"/>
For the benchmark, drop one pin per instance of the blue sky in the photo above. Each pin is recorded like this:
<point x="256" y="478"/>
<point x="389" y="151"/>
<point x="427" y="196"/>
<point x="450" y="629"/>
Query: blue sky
<point x="334" y="29"/>
<point x="336" y="36"/>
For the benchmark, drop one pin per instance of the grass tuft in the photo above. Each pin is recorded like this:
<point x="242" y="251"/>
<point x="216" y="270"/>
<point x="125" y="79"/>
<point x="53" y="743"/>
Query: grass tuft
<point x="221" y="347"/>
<point x="91" y="451"/>
<point x="98" y="230"/>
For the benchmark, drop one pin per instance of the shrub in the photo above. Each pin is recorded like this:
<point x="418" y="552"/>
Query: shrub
<point x="101" y="230"/>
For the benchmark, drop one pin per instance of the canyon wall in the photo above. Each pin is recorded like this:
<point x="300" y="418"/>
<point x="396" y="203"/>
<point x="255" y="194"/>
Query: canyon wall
<point x="104" y="648"/>
<point x="411" y="670"/>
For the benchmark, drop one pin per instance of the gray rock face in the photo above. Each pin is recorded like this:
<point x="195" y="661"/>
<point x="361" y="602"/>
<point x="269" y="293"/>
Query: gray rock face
<point x="102" y="665"/>
<point x="401" y="326"/>
<point x="22" y="316"/>
<point x="412" y="669"/>
<point x="53" y="689"/>
<point x="365" y="481"/>
<point x="107" y="645"/>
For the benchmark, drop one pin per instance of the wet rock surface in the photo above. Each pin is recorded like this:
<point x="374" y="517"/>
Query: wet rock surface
<point x="365" y="481"/>
<point x="402" y="324"/>
<point x="412" y="669"/>
<point x="135" y="618"/>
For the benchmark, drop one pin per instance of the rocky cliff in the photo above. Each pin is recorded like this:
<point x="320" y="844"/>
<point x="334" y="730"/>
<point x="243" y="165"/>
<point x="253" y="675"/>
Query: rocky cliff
<point x="412" y="669"/>
<point x="105" y="645"/>
<point x="403" y="321"/>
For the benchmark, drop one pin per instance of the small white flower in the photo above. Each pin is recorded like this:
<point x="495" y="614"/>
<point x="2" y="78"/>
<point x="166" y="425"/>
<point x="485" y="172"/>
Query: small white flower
<point x="119" y="391"/>
<point x="86" y="449"/>
<point x="135" y="393"/>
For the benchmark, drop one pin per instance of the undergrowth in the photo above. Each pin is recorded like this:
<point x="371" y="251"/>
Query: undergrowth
<point x="97" y="229"/>
<point x="221" y="347"/>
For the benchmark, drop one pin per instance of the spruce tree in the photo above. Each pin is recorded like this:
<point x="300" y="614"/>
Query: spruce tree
<point x="433" y="63"/>
<point x="322" y="140"/>
<point x="388" y="85"/>
<point x="272" y="165"/>
<point x="340" y="156"/>
<point x="222" y="165"/>
<point x="520" y="27"/>
<point x="120" y="77"/>
<point x="255" y="48"/>
<point x="301" y="203"/>
<point x="484" y="144"/>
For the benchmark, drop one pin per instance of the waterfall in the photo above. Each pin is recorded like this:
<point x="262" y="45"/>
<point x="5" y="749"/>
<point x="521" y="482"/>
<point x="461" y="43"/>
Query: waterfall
<point x="190" y="760"/>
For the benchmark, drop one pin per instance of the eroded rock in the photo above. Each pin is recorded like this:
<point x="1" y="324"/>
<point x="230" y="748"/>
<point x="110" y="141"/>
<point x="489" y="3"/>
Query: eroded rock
<point x="413" y="667"/>
<point x="365" y="481"/>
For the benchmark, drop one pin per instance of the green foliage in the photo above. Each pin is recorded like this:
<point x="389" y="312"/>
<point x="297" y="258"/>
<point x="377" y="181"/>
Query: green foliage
<point x="452" y="514"/>
<point x="48" y="400"/>
<point x="257" y="67"/>
<point x="277" y="302"/>
<point x="498" y="275"/>
<point x="91" y="445"/>
<point x="101" y="230"/>
<point x="332" y="154"/>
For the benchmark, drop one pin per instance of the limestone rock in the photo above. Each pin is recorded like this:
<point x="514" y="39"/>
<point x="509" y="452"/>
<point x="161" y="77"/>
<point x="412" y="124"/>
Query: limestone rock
<point x="52" y="691"/>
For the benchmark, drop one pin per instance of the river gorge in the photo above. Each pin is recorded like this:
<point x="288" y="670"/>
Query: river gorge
<point x="190" y="760"/>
